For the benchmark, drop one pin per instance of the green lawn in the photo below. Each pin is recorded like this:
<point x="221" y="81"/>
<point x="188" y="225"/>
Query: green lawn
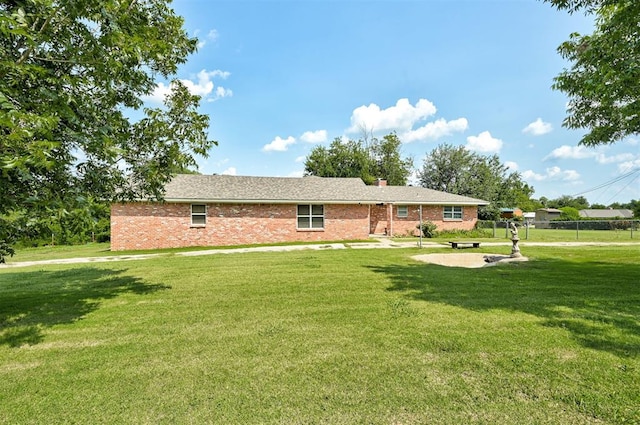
<point x="334" y="337"/>
<point x="563" y="235"/>
<point x="545" y="235"/>
<point x="104" y="250"/>
<point x="534" y="235"/>
<point x="60" y="251"/>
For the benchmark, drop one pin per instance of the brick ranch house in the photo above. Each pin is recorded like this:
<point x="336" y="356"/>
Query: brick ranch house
<point x="218" y="210"/>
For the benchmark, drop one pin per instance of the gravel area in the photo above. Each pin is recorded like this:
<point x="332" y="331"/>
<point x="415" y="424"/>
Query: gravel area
<point x="468" y="260"/>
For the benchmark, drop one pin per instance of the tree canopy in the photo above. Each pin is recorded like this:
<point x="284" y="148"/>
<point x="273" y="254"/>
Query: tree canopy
<point x="377" y="158"/>
<point x="578" y="203"/>
<point x="633" y="205"/>
<point x="71" y="71"/>
<point x="581" y="203"/>
<point x="457" y="170"/>
<point x="603" y="82"/>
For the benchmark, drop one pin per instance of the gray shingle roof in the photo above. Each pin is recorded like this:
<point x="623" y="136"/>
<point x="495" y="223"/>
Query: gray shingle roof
<point x="222" y="188"/>
<point x="606" y="213"/>
<point x="245" y="189"/>
<point x="418" y="195"/>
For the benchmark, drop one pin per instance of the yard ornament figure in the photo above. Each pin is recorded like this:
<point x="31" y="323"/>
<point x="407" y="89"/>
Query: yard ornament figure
<point x="515" y="250"/>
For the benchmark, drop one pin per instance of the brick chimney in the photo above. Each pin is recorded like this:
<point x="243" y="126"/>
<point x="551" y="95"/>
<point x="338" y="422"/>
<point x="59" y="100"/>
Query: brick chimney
<point x="380" y="182"/>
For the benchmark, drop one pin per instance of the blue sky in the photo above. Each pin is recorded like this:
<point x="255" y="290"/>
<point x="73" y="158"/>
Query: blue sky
<point x="280" y="77"/>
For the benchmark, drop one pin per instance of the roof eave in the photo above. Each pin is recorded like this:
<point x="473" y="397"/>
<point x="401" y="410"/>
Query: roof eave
<point x="326" y="201"/>
<point x="263" y="201"/>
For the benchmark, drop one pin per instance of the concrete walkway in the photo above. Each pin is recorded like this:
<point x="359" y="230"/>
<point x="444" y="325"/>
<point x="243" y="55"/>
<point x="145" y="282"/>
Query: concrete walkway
<point x="376" y="243"/>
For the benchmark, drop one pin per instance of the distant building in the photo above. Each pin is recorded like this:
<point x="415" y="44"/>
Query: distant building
<point x="509" y="213"/>
<point x="544" y="215"/>
<point x="529" y="217"/>
<point x="606" y="214"/>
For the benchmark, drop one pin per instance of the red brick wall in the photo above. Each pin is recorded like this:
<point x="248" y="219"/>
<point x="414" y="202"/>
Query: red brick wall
<point x="401" y="226"/>
<point x="379" y="223"/>
<point x="153" y="225"/>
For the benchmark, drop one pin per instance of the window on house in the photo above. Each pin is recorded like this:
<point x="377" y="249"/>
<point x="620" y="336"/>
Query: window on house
<point x="198" y="214"/>
<point x="310" y="216"/>
<point x="452" y="213"/>
<point x="403" y="211"/>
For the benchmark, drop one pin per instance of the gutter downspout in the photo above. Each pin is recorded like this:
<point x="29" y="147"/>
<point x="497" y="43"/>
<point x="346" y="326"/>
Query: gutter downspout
<point x="420" y="229"/>
<point x="390" y="212"/>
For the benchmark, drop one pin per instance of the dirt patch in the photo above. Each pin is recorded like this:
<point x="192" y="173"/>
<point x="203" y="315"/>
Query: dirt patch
<point x="468" y="260"/>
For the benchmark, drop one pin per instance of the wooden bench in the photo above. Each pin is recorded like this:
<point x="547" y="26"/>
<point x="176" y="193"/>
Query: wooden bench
<point x="459" y="244"/>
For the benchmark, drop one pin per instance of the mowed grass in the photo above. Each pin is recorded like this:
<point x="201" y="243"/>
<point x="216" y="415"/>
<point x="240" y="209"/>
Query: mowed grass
<point x="59" y="252"/>
<point x="564" y="235"/>
<point x="533" y="235"/>
<point x="542" y="235"/>
<point x="324" y="337"/>
<point x="92" y="250"/>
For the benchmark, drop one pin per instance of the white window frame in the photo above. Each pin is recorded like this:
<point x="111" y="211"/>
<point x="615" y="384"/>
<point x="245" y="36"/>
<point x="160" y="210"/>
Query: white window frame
<point x="199" y="214"/>
<point x="402" y="211"/>
<point x="310" y="216"/>
<point x="452" y="212"/>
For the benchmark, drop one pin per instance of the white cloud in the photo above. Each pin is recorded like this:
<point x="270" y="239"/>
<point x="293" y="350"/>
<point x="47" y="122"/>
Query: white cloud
<point x="531" y="175"/>
<point x="201" y="42"/>
<point x="581" y="152"/>
<point x="222" y="92"/>
<point x="555" y="173"/>
<point x="552" y="174"/>
<point x="318" y="136"/>
<point x="484" y="143"/>
<point x="622" y="157"/>
<point x="538" y="128"/>
<point x="570" y="152"/>
<point x="279" y="144"/>
<point x="513" y="166"/>
<point x="231" y="171"/>
<point x="402" y="116"/>
<point x="202" y="86"/>
<point x="159" y="93"/>
<point x="300" y="158"/>
<point x="628" y="166"/>
<point x="218" y="73"/>
<point x="435" y="130"/>
<point x="212" y="35"/>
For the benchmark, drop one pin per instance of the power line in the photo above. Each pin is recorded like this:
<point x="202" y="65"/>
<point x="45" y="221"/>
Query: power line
<point x="609" y="183"/>
<point x="625" y="186"/>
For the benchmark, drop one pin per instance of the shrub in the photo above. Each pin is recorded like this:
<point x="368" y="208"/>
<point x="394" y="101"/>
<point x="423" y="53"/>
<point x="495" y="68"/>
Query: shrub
<point x="428" y="229"/>
<point x="569" y="213"/>
<point x="458" y="233"/>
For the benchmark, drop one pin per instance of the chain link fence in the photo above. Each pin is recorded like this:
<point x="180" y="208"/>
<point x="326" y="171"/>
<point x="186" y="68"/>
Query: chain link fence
<point x="587" y="230"/>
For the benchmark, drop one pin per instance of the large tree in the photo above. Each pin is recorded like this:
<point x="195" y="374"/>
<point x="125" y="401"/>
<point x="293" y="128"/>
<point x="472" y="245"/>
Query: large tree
<point x="603" y="82"/>
<point x="369" y="160"/>
<point x="340" y="159"/>
<point x="579" y="203"/>
<point x="387" y="160"/>
<point x="633" y="205"/>
<point x="455" y="169"/>
<point x="70" y="72"/>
